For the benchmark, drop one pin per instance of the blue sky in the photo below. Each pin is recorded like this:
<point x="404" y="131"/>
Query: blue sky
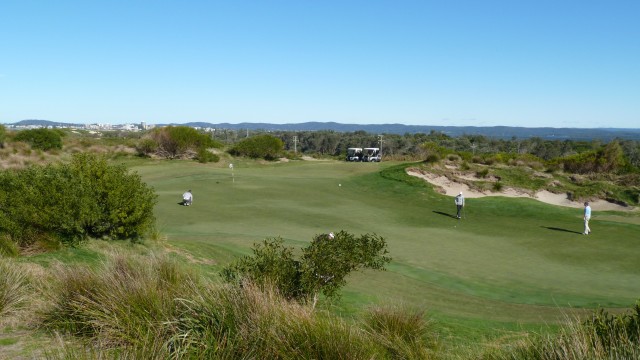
<point x="484" y="63"/>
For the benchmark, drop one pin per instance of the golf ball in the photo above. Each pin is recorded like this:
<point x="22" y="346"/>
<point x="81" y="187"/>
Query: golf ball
<point x="339" y="184"/>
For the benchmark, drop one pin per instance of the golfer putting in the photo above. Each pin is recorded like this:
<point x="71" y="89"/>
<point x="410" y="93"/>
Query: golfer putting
<point x="187" y="198"/>
<point x="459" y="201"/>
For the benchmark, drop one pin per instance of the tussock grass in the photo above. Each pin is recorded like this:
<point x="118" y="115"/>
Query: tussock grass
<point x="15" y="287"/>
<point x="134" y="307"/>
<point x="602" y="337"/>
<point x="404" y="332"/>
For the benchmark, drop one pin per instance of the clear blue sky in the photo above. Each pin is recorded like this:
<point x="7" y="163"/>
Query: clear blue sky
<point x="534" y="63"/>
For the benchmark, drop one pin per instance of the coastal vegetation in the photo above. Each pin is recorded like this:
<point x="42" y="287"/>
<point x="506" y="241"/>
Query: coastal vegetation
<point x="249" y="271"/>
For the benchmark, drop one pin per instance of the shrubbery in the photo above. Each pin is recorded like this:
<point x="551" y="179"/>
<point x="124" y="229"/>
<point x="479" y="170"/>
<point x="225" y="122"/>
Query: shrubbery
<point x="72" y="201"/>
<point x="322" y="268"/>
<point x="173" y="142"/>
<point x="259" y="147"/>
<point x="42" y="139"/>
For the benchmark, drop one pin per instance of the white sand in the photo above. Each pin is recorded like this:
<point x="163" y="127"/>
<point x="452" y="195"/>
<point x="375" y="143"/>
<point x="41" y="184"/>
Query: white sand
<point x="453" y="188"/>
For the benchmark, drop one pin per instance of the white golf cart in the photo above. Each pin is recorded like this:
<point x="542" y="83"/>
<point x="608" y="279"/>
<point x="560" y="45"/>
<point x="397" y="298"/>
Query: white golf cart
<point x="354" y="154"/>
<point x="372" y="155"/>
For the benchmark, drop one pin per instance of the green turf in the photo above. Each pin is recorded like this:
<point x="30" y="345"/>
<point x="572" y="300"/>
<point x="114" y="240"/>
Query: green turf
<point x="509" y="264"/>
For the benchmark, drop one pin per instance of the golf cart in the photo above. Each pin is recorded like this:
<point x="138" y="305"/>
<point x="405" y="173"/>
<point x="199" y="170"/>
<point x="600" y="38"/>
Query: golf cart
<point x="372" y="155"/>
<point x="354" y="154"/>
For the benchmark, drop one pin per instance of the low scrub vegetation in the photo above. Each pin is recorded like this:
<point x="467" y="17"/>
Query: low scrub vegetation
<point x="176" y="142"/>
<point x="322" y="268"/>
<point x="68" y="202"/>
<point x="259" y="147"/>
<point x="41" y="139"/>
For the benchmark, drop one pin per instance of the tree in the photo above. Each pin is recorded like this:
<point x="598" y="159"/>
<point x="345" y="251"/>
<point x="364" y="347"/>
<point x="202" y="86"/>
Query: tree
<point x="322" y="268"/>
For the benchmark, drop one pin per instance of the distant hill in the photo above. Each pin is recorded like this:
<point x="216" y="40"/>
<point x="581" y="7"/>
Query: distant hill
<point x="35" y="122"/>
<point x="500" y="132"/>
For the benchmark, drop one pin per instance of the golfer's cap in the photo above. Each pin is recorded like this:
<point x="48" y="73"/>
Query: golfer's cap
<point x="460" y="193"/>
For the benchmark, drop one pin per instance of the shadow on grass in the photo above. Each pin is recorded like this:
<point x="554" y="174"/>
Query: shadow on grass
<point x="559" y="229"/>
<point x="445" y="214"/>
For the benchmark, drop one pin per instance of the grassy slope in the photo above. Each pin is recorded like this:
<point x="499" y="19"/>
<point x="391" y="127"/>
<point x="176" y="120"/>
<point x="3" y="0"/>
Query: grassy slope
<point x="509" y="263"/>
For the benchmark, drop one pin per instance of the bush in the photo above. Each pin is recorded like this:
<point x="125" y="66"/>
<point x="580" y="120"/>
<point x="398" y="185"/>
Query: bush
<point x="482" y="173"/>
<point x="497" y="186"/>
<point x="69" y="202"/>
<point x="206" y="156"/>
<point x="43" y="139"/>
<point x="173" y="142"/>
<point x="323" y="267"/>
<point x="259" y="147"/>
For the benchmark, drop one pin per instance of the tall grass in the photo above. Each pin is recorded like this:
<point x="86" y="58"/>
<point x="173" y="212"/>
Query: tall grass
<point x="404" y="333"/>
<point x="151" y="308"/>
<point x="14" y="288"/>
<point x="602" y="337"/>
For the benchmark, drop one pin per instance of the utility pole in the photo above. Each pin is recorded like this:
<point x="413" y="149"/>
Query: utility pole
<point x="295" y="144"/>
<point x="380" y="141"/>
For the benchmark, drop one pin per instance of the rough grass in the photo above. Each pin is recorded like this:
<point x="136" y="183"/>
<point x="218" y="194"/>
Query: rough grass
<point x="14" y="288"/>
<point x="136" y="307"/>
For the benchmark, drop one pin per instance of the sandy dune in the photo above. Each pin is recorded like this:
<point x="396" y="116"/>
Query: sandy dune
<point x="453" y="188"/>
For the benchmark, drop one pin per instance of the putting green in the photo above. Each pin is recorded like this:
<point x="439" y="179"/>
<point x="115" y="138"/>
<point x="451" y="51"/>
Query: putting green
<point x="509" y="261"/>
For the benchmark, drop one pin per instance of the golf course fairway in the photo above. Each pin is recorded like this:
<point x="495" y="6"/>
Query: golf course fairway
<point x="509" y="264"/>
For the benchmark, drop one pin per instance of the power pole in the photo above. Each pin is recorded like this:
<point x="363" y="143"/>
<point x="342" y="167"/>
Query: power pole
<point x="295" y="144"/>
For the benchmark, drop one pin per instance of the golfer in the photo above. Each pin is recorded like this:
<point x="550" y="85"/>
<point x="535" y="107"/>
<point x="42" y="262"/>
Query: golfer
<point x="187" y="198"/>
<point x="459" y="200"/>
<point x="587" y="216"/>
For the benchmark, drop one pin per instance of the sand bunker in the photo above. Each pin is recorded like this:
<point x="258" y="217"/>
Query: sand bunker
<point x="453" y="188"/>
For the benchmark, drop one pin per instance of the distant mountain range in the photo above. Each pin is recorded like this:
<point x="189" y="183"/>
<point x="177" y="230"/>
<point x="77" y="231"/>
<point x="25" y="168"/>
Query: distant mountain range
<point x="501" y="132"/>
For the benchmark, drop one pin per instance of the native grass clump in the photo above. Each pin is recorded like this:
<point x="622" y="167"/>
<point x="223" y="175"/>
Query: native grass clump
<point x="70" y="202"/>
<point x="14" y="288"/>
<point x="152" y="307"/>
<point x="603" y="336"/>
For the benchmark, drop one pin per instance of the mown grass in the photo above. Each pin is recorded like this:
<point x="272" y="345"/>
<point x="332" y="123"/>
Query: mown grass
<point x="509" y="261"/>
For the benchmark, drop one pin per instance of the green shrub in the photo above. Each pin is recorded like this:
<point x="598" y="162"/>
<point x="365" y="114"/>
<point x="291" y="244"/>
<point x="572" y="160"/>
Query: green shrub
<point x="497" y="186"/>
<point x="259" y="147"/>
<point x="176" y="142"/>
<point x="432" y="158"/>
<point x="323" y="267"/>
<point x="68" y="202"/>
<point x="482" y="173"/>
<point x="206" y="156"/>
<point x="43" y="139"/>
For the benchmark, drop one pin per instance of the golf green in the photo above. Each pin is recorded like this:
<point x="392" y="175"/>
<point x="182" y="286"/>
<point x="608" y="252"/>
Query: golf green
<point x="508" y="261"/>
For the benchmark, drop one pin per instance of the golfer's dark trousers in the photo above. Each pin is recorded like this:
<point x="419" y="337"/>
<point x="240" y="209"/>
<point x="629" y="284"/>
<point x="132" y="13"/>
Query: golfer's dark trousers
<point x="459" y="209"/>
